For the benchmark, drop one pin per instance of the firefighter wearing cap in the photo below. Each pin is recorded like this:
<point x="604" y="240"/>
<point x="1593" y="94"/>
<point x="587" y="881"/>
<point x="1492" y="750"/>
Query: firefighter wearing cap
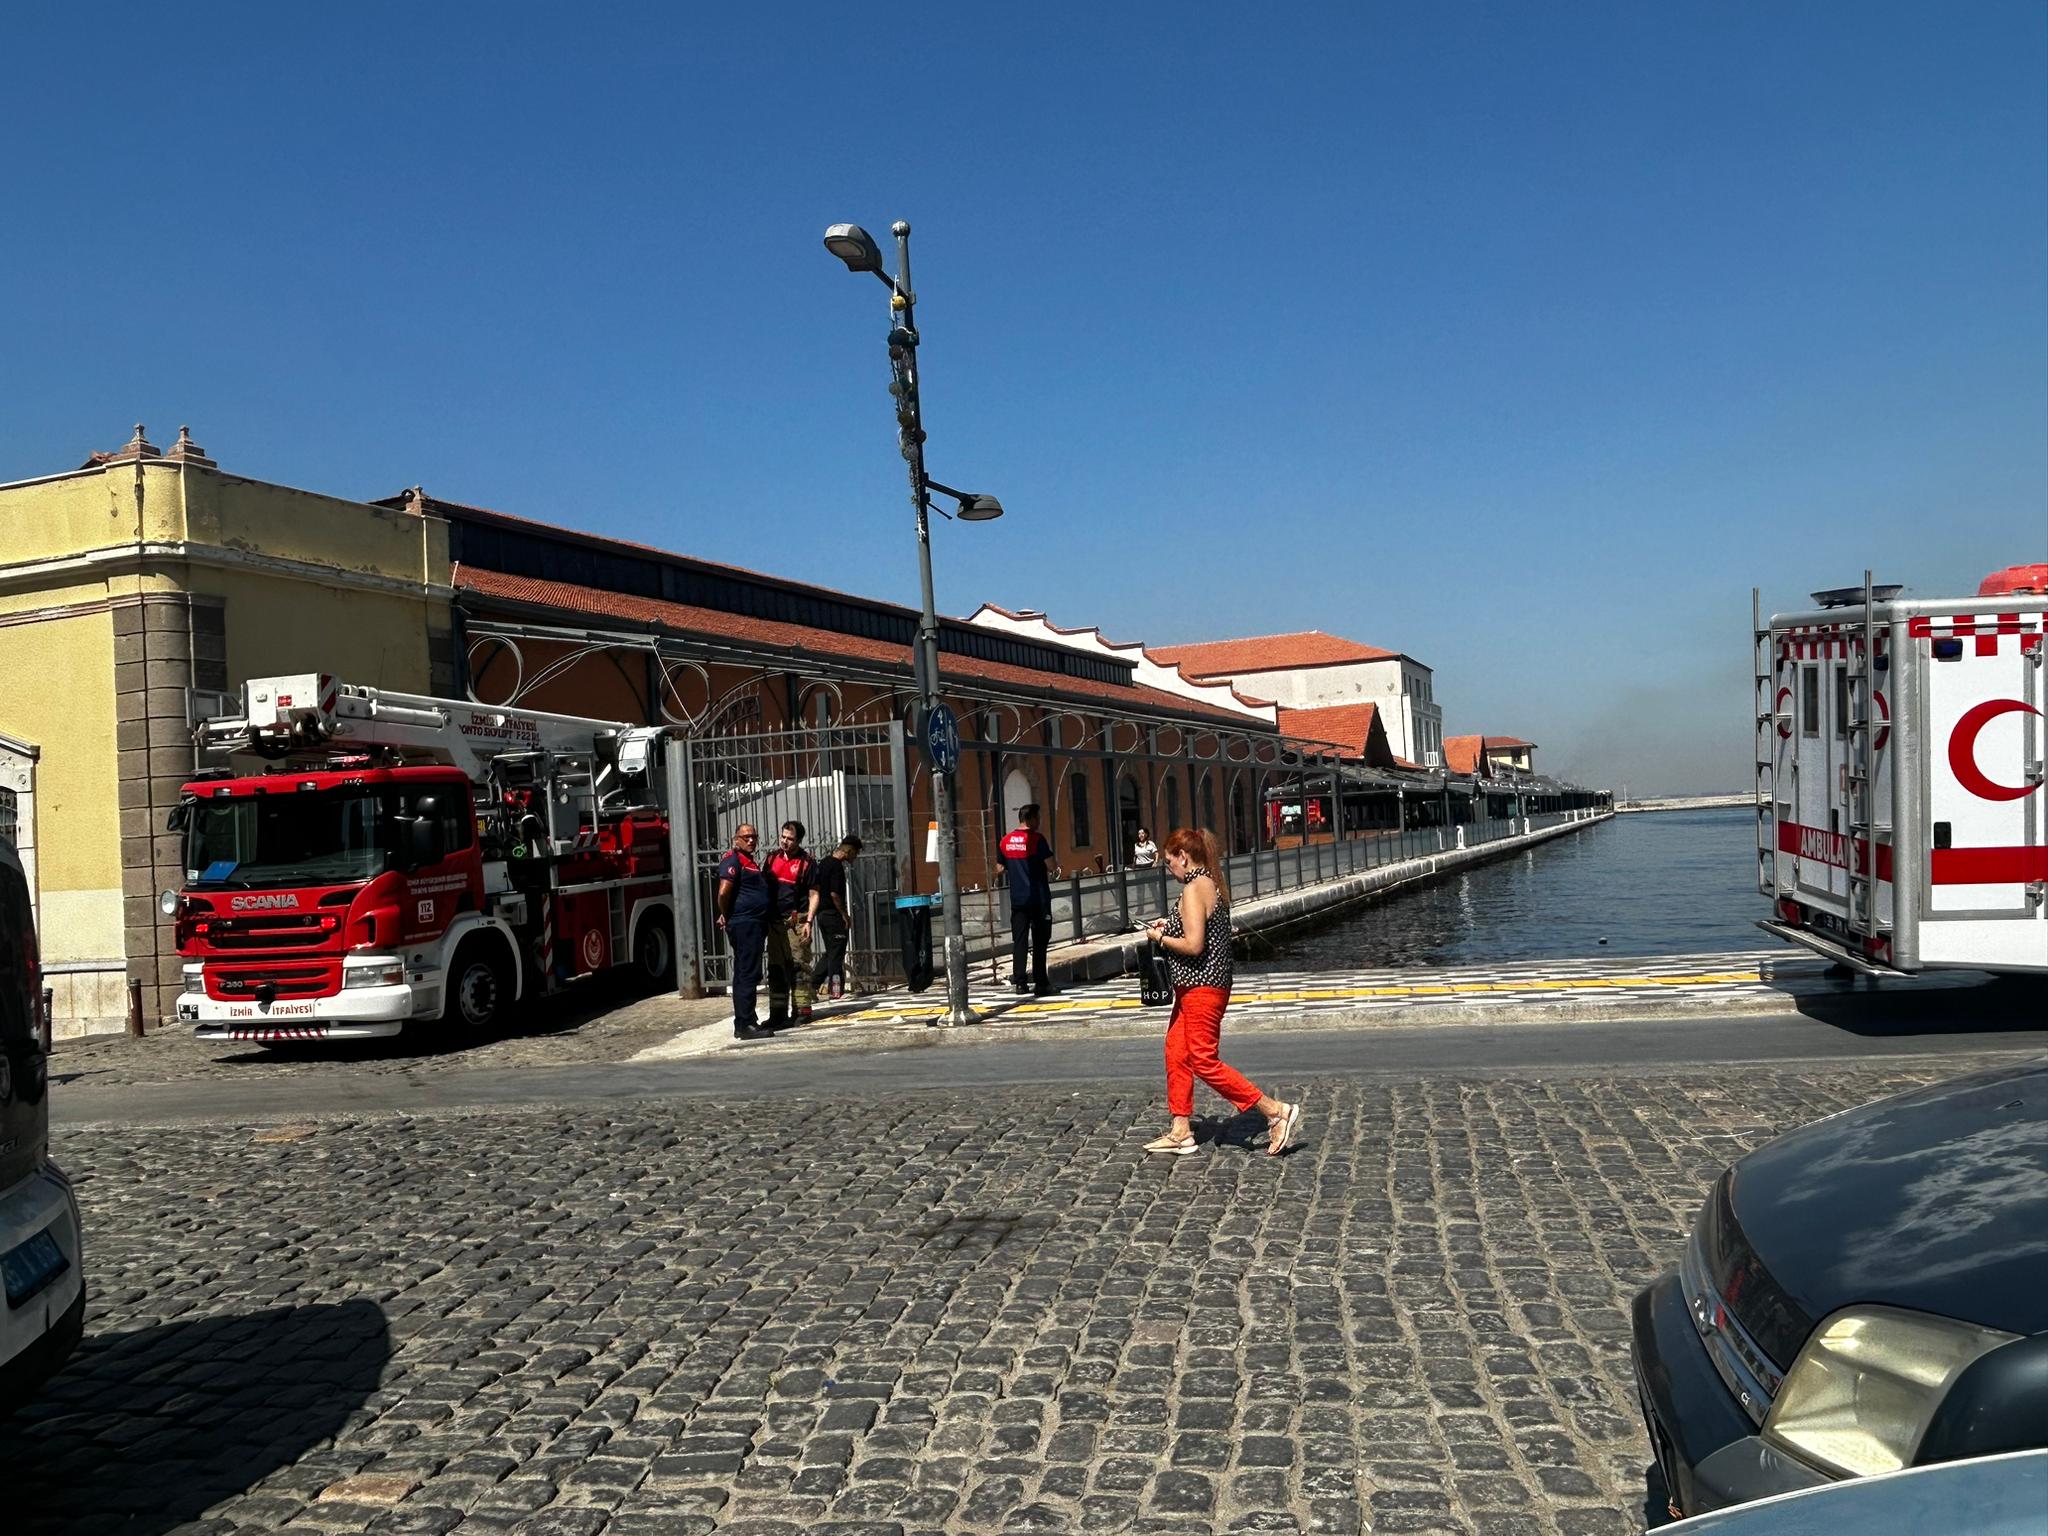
<point x="746" y="911"/>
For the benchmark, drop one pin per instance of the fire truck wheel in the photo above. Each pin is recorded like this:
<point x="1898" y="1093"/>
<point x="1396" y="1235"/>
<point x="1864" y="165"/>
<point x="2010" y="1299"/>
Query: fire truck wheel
<point x="654" y="952"/>
<point x="480" y="993"/>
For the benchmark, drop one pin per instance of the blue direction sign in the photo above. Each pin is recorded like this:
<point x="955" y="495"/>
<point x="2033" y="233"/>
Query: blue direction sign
<point x="942" y="738"/>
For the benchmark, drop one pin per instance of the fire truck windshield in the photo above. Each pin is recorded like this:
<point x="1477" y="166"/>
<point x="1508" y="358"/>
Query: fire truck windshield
<point x="287" y="839"/>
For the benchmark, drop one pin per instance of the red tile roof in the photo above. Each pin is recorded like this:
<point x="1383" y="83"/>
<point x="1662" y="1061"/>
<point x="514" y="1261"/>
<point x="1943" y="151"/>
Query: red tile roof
<point x="774" y="635"/>
<point x="1353" y="727"/>
<point x="1462" y="753"/>
<point x="1267" y="653"/>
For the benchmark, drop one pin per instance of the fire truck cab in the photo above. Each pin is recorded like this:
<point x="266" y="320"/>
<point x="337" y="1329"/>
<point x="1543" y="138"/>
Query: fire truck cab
<point x="395" y="858"/>
<point x="1899" y="799"/>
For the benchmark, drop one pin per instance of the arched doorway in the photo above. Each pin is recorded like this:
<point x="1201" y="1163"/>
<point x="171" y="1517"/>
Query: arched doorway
<point x="1017" y="793"/>
<point x="1130" y="815"/>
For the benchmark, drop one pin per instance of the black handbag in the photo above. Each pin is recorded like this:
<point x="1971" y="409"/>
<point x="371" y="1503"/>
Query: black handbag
<point x="1155" y="981"/>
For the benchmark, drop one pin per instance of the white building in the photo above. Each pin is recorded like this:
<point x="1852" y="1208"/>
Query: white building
<point x="1312" y="670"/>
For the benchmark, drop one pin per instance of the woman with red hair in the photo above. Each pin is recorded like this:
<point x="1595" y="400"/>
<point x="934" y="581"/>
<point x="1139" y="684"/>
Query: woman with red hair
<point x="1197" y="944"/>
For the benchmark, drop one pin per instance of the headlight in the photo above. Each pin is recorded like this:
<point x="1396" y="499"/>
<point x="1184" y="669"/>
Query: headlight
<point x="167" y="903"/>
<point x="194" y="975"/>
<point x="377" y="973"/>
<point x="1862" y="1391"/>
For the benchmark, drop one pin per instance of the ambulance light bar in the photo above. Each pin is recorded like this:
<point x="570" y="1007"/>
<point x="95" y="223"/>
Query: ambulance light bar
<point x="1844" y="597"/>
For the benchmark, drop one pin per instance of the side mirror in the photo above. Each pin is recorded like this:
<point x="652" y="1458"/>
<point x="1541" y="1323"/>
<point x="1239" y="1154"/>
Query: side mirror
<point x="181" y="813"/>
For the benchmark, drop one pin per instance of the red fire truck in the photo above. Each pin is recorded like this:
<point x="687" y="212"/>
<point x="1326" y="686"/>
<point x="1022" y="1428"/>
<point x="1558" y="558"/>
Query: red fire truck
<point x="1901" y="823"/>
<point x="372" y="859"/>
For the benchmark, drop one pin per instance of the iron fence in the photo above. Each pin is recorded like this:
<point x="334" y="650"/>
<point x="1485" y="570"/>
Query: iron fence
<point x="835" y="780"/>
<point x="1094" y="906"/>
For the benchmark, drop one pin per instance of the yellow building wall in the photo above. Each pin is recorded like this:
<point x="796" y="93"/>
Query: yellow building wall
<point x="250" y="515"/>
<point x="57" y="691"/>
<point x="58" y="518"/>
<point x="277" y="625"/>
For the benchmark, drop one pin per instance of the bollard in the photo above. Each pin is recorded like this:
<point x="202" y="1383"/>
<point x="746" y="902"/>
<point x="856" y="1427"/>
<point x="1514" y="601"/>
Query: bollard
<point x="135" y="1008"/>
<point x="1074" y="885"/>
<point x="49" y="1019"/>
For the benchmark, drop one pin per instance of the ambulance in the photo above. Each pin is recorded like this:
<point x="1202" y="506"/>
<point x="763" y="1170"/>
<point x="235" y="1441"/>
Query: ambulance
<point x="1899" y="788"/>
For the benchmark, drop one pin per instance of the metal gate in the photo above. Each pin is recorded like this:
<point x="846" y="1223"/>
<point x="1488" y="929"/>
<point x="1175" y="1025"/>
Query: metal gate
<point x="835" y="779"/>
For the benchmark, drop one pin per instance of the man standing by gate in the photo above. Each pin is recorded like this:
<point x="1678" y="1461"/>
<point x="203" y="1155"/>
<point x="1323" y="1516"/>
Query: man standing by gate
<point x="789" y="931"/>
<point x="1026" y="856"/>
<point x="746" y="906"/>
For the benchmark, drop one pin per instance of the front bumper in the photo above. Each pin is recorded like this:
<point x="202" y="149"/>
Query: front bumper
<point x="1709" y="1451"/>
<point x="37" y="1336"/>
<point x="354" y="1013"/>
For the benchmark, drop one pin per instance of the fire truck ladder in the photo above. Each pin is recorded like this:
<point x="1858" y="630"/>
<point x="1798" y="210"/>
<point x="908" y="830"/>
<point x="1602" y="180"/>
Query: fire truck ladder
<point x="1764" y="654"/>
<point x="1863" y="828"/>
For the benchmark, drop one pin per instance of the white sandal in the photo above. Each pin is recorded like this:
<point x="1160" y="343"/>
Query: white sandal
<point x="1282" y="1134"/>
<point x="1170" y="1146"/>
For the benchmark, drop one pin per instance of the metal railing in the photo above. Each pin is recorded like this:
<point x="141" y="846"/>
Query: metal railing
<point x="1092" y="906"/>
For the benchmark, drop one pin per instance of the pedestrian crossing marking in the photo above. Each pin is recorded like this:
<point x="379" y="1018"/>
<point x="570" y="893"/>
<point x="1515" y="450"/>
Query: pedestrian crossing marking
<point x="1098" y="998"/>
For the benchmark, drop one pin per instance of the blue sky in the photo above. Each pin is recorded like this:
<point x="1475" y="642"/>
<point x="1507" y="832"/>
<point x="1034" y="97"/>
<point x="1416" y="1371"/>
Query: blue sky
<point x="1522" y="338"/>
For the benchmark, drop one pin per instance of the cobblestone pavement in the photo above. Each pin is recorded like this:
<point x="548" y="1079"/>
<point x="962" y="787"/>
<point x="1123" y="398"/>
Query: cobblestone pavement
<point x="836" y="1316"/>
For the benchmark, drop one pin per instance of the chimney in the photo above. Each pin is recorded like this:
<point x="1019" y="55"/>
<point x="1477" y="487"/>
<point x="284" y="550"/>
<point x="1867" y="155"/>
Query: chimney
<point x="137" y="447"/>
<point x="185" y="451"/>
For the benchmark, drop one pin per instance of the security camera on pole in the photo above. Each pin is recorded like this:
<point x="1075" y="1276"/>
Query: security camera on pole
<point x="935" y="726"/>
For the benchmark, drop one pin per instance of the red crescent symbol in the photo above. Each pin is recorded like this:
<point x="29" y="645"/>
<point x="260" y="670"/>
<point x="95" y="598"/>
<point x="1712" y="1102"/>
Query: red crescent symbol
<point x="1784" y="726"/>
<point x="1962" y="750"/>
<point x="1884" y="713"/>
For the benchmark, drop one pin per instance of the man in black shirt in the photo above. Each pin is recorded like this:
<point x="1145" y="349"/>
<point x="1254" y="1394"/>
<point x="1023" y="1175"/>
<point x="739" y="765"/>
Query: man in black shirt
<point x="832" y="918"/>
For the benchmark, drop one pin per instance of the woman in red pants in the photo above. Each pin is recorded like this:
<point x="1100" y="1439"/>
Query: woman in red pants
<point x="1197" y="944"/>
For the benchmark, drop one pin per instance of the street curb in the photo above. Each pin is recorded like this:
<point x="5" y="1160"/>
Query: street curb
<point x="698" y="1040"/>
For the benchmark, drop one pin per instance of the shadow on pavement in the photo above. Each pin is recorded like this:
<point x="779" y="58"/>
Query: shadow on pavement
<point x="144" y="1431"/>
<point x="1935" y="1005"/>
<point x="533" y="1021"/>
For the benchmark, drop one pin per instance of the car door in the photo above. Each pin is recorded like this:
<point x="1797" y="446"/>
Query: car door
<point x="24" y="1084"/>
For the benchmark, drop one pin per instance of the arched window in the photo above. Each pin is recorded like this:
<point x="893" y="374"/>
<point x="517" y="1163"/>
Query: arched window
<point x="1172" y="800"/>
<point x="1077" y="808"/>
<point x="1208" y="802"/>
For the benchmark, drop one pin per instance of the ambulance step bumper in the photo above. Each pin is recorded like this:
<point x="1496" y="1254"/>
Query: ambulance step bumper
<point x="1827" y="948"/>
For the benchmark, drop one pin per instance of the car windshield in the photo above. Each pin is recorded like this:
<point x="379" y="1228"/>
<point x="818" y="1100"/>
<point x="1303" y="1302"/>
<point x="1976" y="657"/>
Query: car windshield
<point x="287" y="839"/>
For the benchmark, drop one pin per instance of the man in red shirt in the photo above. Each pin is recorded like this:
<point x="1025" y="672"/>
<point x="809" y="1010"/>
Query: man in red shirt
<point x="1026" y="858"/>
<point x="789" y="870"/>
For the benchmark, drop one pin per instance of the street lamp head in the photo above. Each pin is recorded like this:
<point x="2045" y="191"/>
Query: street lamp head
<point x="980" y="509"/>
<point x="854" y="246"/>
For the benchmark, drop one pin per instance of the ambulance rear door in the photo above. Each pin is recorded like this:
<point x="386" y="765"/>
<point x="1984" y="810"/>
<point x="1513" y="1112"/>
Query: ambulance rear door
<point x="1984" y="897"/>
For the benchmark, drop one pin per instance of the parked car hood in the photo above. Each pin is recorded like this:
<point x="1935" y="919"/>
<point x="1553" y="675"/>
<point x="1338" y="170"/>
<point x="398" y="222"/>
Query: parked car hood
<point x="1936" y="1200"/>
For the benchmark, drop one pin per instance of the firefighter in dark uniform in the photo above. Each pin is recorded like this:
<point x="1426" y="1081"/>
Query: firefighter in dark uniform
<point x="1025" y="856"/>
<point x="746" y="906"/>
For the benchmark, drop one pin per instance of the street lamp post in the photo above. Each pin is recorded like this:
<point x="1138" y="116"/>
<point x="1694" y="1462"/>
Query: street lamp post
<point x="854" y="246"/>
